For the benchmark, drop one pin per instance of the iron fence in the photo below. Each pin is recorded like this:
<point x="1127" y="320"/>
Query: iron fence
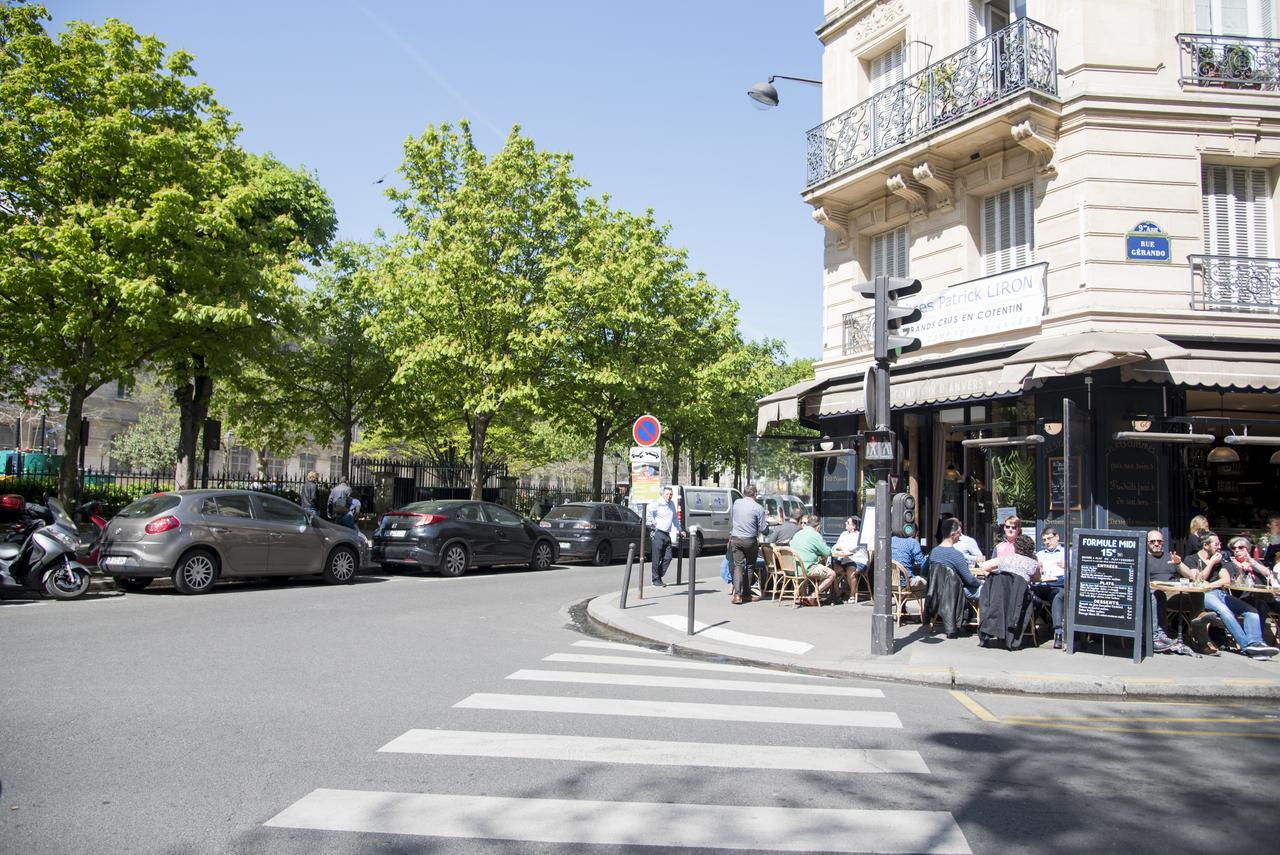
<point x="1238" y="62"/>
<point x="857" y="328"/>
<point x="1235" y="283"/>
<point x="1023" y="57"/>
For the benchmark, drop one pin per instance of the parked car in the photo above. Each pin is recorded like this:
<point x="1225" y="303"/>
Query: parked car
<point x="704" y="513"/>
<point x="452" y="535"/>
<point x="599" y="531"/>
<point x="779" y="507"/>
<point x="201" y="536"/>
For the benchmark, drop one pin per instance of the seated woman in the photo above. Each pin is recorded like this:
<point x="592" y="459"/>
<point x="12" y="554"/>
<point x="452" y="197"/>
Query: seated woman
<point x="849" y="556"/>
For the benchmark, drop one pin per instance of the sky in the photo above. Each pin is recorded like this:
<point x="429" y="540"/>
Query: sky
<point x="648" y="97"/>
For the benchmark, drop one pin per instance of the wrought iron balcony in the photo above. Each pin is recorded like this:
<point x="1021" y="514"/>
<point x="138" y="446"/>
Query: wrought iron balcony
<point x="1235" y="61"/>
<point x="858" y="330"/>
<point x="1235" y="283"/>
<point x="1020" y="58"/>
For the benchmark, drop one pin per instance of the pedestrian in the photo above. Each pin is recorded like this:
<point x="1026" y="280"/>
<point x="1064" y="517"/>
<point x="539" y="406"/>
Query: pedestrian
<point x="339" y="494"/>
<point x="342" y="515"/>
<point x="748" y="527"/>
<point x="307" y="496"/>
<point x="664" y="527"/>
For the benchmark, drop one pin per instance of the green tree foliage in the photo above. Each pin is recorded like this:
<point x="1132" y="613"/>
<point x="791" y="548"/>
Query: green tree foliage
<point x="328" y="378"/>
<point x="463" y="297"/>
<point x="150" y="443"/>
<point x="774" y="458"/>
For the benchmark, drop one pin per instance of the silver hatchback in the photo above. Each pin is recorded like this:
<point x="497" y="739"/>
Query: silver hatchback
<point x="200" y="536"/>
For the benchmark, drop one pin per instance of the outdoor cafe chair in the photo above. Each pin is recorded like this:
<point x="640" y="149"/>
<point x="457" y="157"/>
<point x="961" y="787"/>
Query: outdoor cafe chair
<point x="903" y="593"/>
<point x="792" y="576"/>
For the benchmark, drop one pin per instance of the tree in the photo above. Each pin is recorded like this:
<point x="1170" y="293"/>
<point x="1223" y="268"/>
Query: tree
<point x="464" y="292"/>
<point x="614" y="327"/>
<point x="774" y="458"/>
<point x="151" y="442"/>
<point x="101" y="140"/>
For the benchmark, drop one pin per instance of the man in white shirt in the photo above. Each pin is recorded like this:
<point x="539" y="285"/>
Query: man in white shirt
<point x="664" y="525"/>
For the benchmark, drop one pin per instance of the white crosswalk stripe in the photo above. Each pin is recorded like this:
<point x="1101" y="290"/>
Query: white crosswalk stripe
<point x="664" y="826"/>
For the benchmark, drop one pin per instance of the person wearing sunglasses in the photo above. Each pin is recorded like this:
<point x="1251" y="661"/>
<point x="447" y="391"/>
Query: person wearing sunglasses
<point x="1012" y="527"/>
<point x="1162" y="567"/>
<point x="1247" y="570"/>
<point x="1240" y="618"/>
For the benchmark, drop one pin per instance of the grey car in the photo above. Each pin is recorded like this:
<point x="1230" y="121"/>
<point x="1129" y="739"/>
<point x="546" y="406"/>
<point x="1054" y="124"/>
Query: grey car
<point x="596" y="531"/>
<point x="200" y="536"/>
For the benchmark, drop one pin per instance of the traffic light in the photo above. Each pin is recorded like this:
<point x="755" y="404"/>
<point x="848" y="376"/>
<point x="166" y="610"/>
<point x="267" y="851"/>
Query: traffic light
<point x="890" y="317"/>
<point x="902" y="515"/>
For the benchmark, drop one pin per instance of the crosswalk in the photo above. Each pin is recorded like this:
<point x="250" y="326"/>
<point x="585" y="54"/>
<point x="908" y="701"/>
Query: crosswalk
<point x="606" y="698"/>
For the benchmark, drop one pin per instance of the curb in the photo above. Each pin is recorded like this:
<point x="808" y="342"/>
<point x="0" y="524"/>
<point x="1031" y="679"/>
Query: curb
<point x="1065" y="685"/>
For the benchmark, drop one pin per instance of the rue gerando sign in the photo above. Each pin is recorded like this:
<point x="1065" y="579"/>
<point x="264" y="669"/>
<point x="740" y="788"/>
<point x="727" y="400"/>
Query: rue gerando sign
<point x="1006" y="301"/>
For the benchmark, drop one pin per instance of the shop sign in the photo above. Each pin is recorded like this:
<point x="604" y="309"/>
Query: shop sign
<point x="1147" y="242"/>
<point x="981" y="307"/>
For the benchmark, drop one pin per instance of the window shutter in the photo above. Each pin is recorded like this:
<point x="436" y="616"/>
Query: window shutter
<point x="1236" y="211"/>
<point x="877" y="255"/>
<point x="1259" y="223"/>
<point x="1204" y="17"/>
<point x="900" y="261"/>
<point x="1020" y="254"/>
<point x="1008" y="231"/>
<point x="973" y="20"/>
<point x="1266" y="16"/>
<point x="889" y="253"/>
<point x="888" y="68"/>
<point x="989" y="239"/>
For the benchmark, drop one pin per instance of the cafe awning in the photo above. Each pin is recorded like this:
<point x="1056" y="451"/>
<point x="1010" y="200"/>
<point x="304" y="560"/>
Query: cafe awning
<point x="1228" y="370"/>
<point x="939" y="385"/>
<point x="1061" y="356"/>
<point x="783" y="404"/>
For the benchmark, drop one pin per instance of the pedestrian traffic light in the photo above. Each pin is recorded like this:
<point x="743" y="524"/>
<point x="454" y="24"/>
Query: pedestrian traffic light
<point x="890" y="317"/>
<point x="903" y="515"/>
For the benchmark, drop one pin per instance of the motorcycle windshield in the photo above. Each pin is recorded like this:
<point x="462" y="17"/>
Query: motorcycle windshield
<point x="60" y="515"/>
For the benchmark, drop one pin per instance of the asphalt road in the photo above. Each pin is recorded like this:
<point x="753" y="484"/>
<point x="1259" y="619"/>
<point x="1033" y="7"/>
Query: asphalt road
<point x="250" y="720"/>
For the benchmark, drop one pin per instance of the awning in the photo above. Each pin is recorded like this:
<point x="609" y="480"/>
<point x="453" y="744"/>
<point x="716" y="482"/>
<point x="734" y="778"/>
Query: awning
<point x="783" y="404"/>
<point x="1060" y="356"/>
<point x="1257" y="370"/>
<point x="936" y="386"/>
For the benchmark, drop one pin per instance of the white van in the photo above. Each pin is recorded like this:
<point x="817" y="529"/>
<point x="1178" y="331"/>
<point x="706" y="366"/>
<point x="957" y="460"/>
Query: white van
<point x="779" y="507"/>
<point x="704" y="513"/>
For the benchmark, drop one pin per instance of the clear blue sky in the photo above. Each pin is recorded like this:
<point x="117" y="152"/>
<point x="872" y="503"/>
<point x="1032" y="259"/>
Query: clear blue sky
<point x="648" y="97"/>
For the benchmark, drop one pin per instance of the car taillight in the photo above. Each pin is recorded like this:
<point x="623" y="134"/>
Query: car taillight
<point x="586" y="525"/>
<point x="418" y="519"/>
<point x="544" y="524"/>
<point x="162" y="524"/>
<point x="12" y="502"/>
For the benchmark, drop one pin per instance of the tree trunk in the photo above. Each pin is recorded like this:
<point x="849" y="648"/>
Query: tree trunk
<point x="193" y="406"/>
<point x="675" y="460"/>
<point x="68" y="483"/>
<point x="694" y="474"/>
<point x="597" y="463"/>
<point x="737" y="468"/>
<point x="346" y="449"/>
<point x="479" y="427"/>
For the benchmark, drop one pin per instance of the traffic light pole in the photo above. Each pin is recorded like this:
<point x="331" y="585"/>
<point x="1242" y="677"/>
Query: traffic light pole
<point x="882" y="615"/>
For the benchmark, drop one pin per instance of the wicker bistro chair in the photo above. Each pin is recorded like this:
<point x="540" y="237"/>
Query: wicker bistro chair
<point x="792" y="576"/>
<point x="771" y="578"/>
<point x="903" y="593"/>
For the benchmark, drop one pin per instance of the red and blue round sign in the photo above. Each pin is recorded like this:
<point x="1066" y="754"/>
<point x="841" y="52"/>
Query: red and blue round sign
<point x="646" y="431"/>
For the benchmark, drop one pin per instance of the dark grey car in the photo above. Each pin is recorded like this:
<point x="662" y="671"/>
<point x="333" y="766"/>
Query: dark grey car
<point x="200" y="536"/>
<point x="597" y="531"/>
<point x="452" y="535"/>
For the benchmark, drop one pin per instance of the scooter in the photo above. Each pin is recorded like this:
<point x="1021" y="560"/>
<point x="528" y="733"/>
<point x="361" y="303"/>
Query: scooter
<point x="46" y="563"/>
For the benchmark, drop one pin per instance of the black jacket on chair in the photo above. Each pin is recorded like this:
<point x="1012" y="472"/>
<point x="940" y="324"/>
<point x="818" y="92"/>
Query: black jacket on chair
<point x="946" y="597"/>
<point x="1005" y="604"/>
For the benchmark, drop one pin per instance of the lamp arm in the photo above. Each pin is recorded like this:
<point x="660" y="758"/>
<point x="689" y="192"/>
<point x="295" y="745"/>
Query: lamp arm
<point x="773" y="77"/>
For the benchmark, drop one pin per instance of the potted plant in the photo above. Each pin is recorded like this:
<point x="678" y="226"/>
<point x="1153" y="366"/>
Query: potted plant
<point x="1206" y="62"/>
<point x="1238" y="62"/>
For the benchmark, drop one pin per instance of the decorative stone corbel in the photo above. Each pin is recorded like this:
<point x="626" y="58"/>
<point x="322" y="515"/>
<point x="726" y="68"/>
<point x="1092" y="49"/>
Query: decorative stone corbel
<point x="937" y="176"/>
<point x="1039" y="142"/>
<point x="904" y="186"/>
<point x="836" y="222"/>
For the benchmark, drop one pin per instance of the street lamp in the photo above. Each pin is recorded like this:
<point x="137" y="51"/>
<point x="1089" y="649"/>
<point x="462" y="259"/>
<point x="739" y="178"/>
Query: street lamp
<point x="767" y="96"/>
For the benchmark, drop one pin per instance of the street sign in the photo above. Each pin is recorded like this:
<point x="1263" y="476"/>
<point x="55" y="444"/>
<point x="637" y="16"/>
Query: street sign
<point x="646" y="431"/>
<point x="646" y="471"/>
<point x="879" y="445"/>
<point x="644" y="456"/>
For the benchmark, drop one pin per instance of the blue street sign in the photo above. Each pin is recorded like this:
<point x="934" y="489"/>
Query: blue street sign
<point x="1146" y="243"/>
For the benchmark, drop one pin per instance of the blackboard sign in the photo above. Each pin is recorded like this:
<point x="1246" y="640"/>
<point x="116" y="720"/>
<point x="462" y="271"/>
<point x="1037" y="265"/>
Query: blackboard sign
<point x="1107" y="591"/>
<point x="1131" y="485"/>
<point x="1058" y="483"/>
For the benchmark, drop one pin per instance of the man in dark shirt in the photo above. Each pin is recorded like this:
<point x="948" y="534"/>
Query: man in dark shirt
<point x="1162" y="568"/>
<point x="782" y="533"/>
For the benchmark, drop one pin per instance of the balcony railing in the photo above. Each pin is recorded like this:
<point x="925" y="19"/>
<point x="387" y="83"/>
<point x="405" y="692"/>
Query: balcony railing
<point x="1238" y="62"/>
<point x="1235" y="283"/>
<point x="857" y="330"/>
<point x="1020" y="58"/>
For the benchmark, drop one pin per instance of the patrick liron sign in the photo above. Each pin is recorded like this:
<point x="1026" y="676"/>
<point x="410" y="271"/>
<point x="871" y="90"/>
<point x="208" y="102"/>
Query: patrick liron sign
<point x="981" y="307"/>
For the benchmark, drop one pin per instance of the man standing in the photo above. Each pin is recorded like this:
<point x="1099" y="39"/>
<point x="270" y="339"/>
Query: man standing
<point x="747" y="517"/>
<point x="307" y="496"/>
<point x="664" y="527"/>
<point x="338" y="495"/>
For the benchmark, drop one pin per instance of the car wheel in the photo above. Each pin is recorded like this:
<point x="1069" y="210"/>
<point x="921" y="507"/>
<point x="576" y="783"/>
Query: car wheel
<point x="453" y="562"/>
<point x="604" y="554"/>
<point x="542" y="556"/>
<point x="341" y="567"/>
<point x="132" y="584"/>
<point x="195" y="573"/>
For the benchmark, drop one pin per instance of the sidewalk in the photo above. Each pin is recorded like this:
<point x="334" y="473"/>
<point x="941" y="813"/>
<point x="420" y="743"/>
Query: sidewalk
<point x="837" y="640"/>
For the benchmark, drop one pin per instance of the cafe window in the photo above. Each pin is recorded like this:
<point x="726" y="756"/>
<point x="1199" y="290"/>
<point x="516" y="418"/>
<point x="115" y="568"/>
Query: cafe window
<point x="1236" y="211"/>
<point x="889" y="253"/>
<point x="1008" y="240"/>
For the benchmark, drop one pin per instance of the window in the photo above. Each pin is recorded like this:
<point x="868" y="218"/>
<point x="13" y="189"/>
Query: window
<point x="234" y="505"/>
<point x="306" y="463"/>
<point x="469" y="513"/>
<point x="1237" y="211"/>
<point x="990" y="16"/>
<point x="278" y="510"/>
<point x="889" y="68"/>
<point x="889" y="253"/>
<point x="610" y="513"/>
<point x="630" y="516"/>
<point x="1235" y="17"/>
<point x="889" y="117"/>
<point x="335" y="469"/>
<point x="1007" y="235"/>
<point x="238" y="460"/>
<point x="501" y="515"/>
<point x="124" y="389"/>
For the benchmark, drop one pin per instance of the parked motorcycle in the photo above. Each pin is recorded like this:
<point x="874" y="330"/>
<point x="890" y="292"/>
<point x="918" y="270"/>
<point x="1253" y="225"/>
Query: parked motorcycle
<point x="18" y="517"/>
<point x="46" y="562"/>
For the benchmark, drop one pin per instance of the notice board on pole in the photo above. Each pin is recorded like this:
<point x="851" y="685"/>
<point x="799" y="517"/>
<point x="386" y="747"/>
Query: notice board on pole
<point x="1107" y="586"/>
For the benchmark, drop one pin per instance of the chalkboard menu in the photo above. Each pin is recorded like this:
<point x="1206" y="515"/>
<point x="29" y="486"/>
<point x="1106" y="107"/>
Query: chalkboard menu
<point x="1108" y="586"/>
<point x="1131" y="485"/>
<point x="1058" y="483"/>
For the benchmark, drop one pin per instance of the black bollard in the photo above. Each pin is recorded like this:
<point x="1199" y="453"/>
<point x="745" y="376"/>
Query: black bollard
<point x="679" y="554"/>
<point x="643" y="530"/>
<point x="693" y="578"/>
<point x="626" y="576"/>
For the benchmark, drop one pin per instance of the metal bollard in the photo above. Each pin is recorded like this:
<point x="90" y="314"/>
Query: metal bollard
<point x="643" y="530"/>
<point x="679" y="555"/>
<point x="693" y="578"/>
<point x="626" y="576"/>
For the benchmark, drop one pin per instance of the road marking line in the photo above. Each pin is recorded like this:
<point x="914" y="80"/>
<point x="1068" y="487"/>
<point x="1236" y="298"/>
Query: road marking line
<point x="926" y="669"/>
<point x="730" y="636"/>
<point x="1248" y="681"/>
<point x="615" y="645"/>
<point x="1149" y="680"/>
<point x="973" y="706"/>
<point x="1152" y="719"/>
<point x="678" y="664"/>
<point x="795" y="716"/>
<point x="663" y="681"/>
<point x="604" y="823"/>
<point x="1162" y="731"/>
<point x="586" y="749"/>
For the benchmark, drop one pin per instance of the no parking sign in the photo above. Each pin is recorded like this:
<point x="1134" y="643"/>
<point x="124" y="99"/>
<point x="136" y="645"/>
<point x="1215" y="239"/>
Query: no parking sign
<point x="646" y="431"/>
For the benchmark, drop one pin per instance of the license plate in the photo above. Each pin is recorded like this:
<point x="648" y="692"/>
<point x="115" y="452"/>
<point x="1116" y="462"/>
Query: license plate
<point x="114" y="559"/>
<point x="564" y="545"/>
<point x="397" y="533"/>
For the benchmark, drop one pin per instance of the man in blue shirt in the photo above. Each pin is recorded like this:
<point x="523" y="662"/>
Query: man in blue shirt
<point x="664" y="525"/>
<point x="906" y="551"/>
<point x="747" y="517"/>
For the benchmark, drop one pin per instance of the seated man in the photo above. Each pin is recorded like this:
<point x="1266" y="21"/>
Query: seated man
<point x="1162" y="567"/>
<point x="812" y="550"/>
<point x="1240" y="618"/>
<point x="906" y="551"/>
<point x="782" y="533"/>
<point x="1050" y="590"/>
<point x="948" y="554"/>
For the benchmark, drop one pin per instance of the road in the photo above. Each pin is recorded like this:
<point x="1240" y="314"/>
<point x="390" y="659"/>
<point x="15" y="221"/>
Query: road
<point x="420" y="714"/>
